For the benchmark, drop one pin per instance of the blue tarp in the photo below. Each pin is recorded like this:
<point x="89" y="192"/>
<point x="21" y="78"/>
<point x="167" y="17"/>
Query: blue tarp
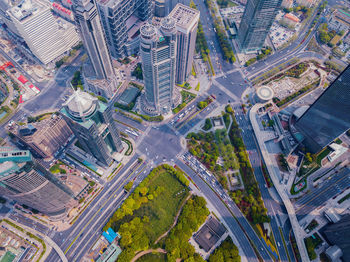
<point x="110" y="235"/>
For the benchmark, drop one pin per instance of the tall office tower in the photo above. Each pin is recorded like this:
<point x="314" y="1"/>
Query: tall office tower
<point x="121" y="21"/>
<point x="158" y="55"/>
<point x="339" y="234"/>
<point x="26" y="181"/>
<point x="92" y="123"/>
<point x="328" y="117"/>
<point x="46" y="37"/>
<point x="159" y="8"/>
<point x="43" y="138"/>
<point x="186" y="21"/>
<point x="89" y="25"/>
<point x="256" y="21"/>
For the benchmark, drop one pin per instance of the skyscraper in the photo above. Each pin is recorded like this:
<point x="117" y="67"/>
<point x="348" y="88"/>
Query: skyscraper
<point x="256" y="21"/>
<point x="26" y="181"/>
<point x="92" y="123"/>
<point x="339" y="234"/>
<point x="158" y="55"/>
<point x="89" y="25"/>
<point x="159" y="8"/>
<point x="186" y="21"/>
<point x="328" y="117"/>
<point x="121" y="21"/>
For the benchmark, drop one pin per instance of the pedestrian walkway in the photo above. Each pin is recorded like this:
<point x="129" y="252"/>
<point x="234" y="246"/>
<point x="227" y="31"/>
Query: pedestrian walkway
<point x="271" y="167"/>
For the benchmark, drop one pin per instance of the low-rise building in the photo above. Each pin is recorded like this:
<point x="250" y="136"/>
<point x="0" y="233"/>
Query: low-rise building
<point x="290" y="20"/>
<point x="339" y="21"/>
<point x="338" y="150"/>
<point x="43" y="138"/>
<point x="62" y="11"/>
<point x="332" y="215"/>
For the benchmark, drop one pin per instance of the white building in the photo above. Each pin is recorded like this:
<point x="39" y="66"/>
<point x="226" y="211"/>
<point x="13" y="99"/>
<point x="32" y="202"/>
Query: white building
<point x="186" y="22"/>
<point x="338" y="150"/>
<point x="47" y="38"/>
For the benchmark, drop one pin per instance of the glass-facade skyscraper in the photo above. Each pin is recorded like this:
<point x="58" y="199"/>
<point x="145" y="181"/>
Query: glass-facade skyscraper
<point x="329" y="116"/>
<point x="92" y="123"/>
<point x="119" y="18"/>
<point x="90" y="28"/>
<point x="256" y="21"/>
<point x="158" y="55"/>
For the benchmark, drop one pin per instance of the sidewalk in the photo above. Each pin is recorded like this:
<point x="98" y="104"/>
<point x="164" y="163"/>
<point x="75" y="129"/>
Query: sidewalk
<point x="271" y="167"/>
<point x="48" y="241"/>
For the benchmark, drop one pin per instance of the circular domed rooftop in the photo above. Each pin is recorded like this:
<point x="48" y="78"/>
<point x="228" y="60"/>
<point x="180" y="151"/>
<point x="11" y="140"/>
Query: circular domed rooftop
<point x="168" y="23"/>
<point x="81" y="104"/>
<point x="264" y="93"/>
<point x="147" y="30"/>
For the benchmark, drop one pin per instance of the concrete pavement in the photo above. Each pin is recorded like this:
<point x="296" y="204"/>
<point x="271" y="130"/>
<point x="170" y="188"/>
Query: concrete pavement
<point x="272" y="169"/>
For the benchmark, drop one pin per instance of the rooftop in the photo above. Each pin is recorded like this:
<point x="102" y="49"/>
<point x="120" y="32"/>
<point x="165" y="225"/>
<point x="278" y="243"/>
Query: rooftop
<point x="81" y="104"/>
<point x="27" y="9"/>
<point x="292" y="17"/>
<point x="184" y="16"/>
<point x="209" y="234"/>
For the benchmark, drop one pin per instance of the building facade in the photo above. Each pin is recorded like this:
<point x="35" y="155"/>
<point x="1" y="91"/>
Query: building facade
<point x="159" y="8"/>
<point x="328" y="117"/>
<point x="43" y="138"/>
<point x="339" y="234"/>
<point x="46" y="37"/>
<point x="158" y="56"/>
<point x="186" y="21"/>
<point x="121" y="21"/>
<point x="256" y="22"/>
<point x="89" y="26"/>
<point x="92" y="123"/>
<point x="26" y="181"/>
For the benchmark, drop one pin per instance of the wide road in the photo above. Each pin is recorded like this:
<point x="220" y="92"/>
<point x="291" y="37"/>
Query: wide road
<point x="225" y="214"/>
<point x="74" y="236"/>
<point x="335" y="185"/>
<point x="275" y="209"/>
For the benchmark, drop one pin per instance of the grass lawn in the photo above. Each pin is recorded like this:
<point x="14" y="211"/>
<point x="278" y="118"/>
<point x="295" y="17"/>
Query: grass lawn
<point x="55" y="169"/>
<point x="162" y="210"/>
<point x="158" y="257"/>
<point x="322" y="155"/>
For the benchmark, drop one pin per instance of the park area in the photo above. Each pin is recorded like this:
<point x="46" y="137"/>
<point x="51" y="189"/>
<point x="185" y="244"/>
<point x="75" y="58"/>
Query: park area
<point x="150" y="219"/>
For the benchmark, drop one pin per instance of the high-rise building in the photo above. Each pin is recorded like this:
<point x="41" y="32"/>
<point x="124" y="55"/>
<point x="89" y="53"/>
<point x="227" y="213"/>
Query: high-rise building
<point x="186" y="21"/>
<point x="43" y="138"/>
<point x="339" y="234"/>
<point x="92" y="123"/>
<point x="26" y="181"/>
<point x="89" y="25"/>
<point x="47" y="38"/>
<point x="256" y="21"/>
<point x="121" y="21"/>
<point x="158" y="55"/>
<point x="160" y="8"/>
<point x="328" y="117"/>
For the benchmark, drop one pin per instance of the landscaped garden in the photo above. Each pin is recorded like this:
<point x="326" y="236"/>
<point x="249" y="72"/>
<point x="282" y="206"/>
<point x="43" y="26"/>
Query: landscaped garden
<point x="154" y="213"/>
